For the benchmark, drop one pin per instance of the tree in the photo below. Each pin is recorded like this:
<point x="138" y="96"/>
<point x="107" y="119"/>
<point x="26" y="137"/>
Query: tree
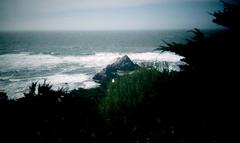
<point x="229" y="17"/>
<point x="192" y="51"/>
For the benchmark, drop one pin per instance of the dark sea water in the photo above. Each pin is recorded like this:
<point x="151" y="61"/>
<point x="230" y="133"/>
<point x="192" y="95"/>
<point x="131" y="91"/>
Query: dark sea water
<point x="71" y="58"/>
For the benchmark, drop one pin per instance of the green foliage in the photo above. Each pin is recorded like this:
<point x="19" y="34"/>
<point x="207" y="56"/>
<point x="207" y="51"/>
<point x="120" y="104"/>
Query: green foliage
<point x="129" y="91"/>
<point x="142" y="106"/>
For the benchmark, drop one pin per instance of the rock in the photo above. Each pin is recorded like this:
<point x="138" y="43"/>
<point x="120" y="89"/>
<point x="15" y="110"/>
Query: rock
<point x="122" y="64"/>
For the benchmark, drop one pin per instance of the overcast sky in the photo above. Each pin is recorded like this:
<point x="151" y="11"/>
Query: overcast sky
<point x="106" y="14"/>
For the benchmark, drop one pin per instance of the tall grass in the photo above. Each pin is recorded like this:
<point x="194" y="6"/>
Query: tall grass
<point x="131" y="90"/>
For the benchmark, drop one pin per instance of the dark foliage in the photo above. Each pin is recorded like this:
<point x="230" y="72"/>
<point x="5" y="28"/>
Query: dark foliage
<point x="197" y="104"/>
<point x="229" y="17"/>
<point x="47" y="115"/>
<point x="3" y="97"/>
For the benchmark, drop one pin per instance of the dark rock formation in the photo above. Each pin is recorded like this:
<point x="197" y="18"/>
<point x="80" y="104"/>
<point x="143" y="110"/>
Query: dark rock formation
<point x="122" y="64"/>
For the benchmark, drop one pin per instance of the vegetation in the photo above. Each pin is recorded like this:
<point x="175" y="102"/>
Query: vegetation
<point x="132" y="90"/>
<point x="229" y="17"/>
<point x="146" y="106"/>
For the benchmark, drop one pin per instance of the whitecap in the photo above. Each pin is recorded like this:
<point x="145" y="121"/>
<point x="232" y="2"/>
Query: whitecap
<point x="89" y="84"/>
<point x="64" y="78"/>
<point x="98" y="60"/>
<point x="155" y="56"/>
<point x="27" y="60"/>
<point x="60" y="65"/>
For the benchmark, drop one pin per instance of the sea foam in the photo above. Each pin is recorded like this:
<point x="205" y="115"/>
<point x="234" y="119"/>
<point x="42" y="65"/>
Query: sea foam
<point x="17" y="71"/>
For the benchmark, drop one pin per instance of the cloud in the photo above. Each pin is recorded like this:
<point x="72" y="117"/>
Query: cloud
<point x="60" y="5"/>
<point x="49" y="6"/>
<point x="100" y="14"/>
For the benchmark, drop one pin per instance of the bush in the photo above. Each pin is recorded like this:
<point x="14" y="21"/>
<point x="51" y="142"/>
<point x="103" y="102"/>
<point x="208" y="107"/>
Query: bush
<point x="128" y="92"/>
<point x="3" y="96"/>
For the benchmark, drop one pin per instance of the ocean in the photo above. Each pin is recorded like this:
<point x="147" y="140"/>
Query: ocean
<point x="71" y="58"/>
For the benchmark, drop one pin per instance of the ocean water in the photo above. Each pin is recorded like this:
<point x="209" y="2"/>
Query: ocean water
<point x="71" y="58"/>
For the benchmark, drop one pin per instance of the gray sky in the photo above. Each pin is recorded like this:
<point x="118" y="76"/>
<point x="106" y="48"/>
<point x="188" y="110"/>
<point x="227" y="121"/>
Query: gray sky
<point x="106" y="14"/>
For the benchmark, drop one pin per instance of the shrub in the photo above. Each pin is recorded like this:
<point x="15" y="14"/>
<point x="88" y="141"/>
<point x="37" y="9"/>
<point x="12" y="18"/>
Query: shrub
<point x="128" y="92"/>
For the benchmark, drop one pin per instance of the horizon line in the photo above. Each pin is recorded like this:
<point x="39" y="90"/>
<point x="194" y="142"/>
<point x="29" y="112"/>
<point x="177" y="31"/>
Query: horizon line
<point x="71" y="30"/>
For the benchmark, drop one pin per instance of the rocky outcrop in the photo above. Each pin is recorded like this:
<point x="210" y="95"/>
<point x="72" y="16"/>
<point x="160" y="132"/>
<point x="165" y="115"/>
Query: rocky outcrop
<point x="123" y="64"/>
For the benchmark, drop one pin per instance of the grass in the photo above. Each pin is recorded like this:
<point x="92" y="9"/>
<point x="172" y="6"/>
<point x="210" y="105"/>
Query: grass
<point x="139" y="107"/>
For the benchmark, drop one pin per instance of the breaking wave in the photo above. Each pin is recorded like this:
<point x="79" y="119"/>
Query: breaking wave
<point x="71" y="71"/>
